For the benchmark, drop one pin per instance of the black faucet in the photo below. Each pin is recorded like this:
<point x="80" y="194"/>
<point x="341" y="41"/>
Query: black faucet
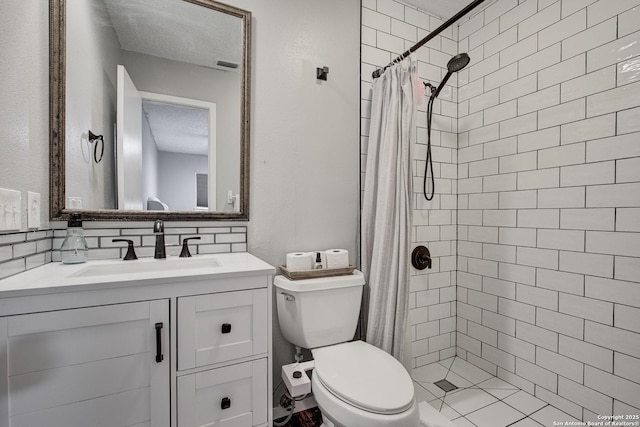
<point x="185" y="247"/>
<point x="158" y="230"/>
<point x="131" y="253"/>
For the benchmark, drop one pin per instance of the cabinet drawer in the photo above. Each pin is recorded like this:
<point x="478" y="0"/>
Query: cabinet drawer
<point x="233" y="396"/>
<point x="219" y="327"/>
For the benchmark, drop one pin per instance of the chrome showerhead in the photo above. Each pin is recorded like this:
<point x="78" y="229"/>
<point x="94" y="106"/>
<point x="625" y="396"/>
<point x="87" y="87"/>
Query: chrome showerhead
<point x="454" y="65"/>
<point x="458" y="62"/>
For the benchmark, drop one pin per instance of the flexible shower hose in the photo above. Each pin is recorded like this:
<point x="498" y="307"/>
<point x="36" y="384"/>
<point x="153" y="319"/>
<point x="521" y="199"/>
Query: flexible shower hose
<point x="429" y="162"/>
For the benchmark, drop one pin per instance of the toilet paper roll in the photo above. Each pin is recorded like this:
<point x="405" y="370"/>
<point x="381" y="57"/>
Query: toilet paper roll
<point x="299" y="261"/>
<point x="337" y="258"/>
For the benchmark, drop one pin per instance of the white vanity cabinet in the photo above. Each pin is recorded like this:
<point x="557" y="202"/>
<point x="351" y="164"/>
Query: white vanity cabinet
<point x="175" y="348"/>
<point x="98" y="366"/>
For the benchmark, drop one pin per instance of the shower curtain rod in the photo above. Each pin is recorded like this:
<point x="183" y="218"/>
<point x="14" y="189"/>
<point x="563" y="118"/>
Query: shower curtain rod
<point x="377" y="73"/>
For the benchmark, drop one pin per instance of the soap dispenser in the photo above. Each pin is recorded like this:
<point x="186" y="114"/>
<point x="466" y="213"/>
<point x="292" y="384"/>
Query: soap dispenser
<point x="318" y="263"/>
<point x="74" y="248"/>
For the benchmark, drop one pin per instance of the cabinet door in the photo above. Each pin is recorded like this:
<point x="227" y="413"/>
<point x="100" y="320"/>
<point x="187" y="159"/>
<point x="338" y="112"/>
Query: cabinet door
<point x="233" y="396"/>
<point x="93" y="367"/>
<point x="219" y="327"/>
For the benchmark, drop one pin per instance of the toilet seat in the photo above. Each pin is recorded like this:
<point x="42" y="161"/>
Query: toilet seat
<point x="365" y="377"/>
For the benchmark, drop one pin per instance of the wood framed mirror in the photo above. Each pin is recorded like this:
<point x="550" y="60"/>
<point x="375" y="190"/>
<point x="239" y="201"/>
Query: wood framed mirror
<point x="176" y="148"/>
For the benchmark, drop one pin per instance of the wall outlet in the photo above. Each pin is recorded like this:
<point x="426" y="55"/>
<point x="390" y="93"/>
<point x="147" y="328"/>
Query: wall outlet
<point x="33" y="210"/>
<point x="10" y="209"/>
<point x="74" y="202"/>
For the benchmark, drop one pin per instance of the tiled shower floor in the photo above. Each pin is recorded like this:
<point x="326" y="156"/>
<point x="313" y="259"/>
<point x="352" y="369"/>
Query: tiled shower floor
<point x="481" y="399"/>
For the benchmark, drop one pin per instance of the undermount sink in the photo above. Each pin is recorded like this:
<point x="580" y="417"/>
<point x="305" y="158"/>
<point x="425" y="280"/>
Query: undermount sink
<point x="146" y="266"/>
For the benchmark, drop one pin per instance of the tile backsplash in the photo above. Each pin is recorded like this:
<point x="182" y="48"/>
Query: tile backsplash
<point x="23" y="251"/>
<point x="99" y="235"/>
<point x="26" y="250"/>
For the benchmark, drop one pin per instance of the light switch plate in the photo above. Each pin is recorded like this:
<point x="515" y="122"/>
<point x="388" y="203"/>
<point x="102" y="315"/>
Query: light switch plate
<point x="10" y="209"/>
<point x="33" y="209"/>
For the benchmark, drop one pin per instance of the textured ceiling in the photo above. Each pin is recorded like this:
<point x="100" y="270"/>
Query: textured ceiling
<point x="178" y="129"/>
<point x="442" y="8"/>
<point x="177" y="30"/>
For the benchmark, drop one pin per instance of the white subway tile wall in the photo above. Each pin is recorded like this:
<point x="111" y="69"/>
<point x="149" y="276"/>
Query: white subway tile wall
<point x="389" y="28"/>
<point x="99" y="235"/>
<point x="23" y="251"/>
<point x="546" y="176"/>
<point x="567" y="187"/>
<point x="26" y="250"/>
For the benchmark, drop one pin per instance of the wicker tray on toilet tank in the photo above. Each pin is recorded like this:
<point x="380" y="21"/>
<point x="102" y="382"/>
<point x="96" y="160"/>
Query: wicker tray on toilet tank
<point x="314" y="274"/>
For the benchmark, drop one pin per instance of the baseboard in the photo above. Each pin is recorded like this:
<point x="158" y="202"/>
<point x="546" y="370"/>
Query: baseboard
<point x="306" y="403"/>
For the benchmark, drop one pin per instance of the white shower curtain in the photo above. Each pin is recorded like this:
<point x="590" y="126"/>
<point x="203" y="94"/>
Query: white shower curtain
<point x="386" y="210"/>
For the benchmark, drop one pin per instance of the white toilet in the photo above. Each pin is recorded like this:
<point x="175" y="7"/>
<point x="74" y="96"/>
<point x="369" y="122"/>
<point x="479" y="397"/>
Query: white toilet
<point x="354" y="383"/>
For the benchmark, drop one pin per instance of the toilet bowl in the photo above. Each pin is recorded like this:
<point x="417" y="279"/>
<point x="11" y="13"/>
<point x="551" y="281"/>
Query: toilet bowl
<point x="354" y="383"/>
<point x="359" y="385"/>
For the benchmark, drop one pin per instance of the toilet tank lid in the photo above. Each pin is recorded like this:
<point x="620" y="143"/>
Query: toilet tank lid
<point x="321" y="283"/>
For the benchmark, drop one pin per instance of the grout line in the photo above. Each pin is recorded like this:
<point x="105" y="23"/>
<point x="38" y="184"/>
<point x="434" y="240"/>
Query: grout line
<point x="542" y="409"/>
<point x="517" y="421"/>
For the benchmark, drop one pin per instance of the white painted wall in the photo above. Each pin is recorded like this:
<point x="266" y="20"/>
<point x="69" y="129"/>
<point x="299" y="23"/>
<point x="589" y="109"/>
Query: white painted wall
<point x="24" y="110"/>
<point x="304" y="134"/>
<point x="177" y="179"/>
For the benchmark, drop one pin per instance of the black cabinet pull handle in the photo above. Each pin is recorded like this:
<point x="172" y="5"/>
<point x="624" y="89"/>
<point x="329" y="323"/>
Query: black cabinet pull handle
<point x="226" y="328"/>
<point x="225" y="403"/>
<point x="159" y="356"/>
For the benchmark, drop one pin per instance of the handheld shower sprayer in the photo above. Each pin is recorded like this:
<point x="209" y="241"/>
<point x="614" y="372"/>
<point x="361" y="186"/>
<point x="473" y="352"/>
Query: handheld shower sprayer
<point x="454" y="65"/>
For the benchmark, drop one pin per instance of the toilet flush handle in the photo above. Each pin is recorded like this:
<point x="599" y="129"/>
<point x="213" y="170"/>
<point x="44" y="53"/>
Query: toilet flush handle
<point x="288" y="297"/>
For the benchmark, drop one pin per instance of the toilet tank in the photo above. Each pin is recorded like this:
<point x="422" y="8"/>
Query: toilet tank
<point x="319" y="312"/>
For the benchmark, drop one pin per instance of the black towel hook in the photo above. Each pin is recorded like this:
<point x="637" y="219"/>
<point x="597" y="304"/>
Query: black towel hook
<point x="93" y="138"/>
<point x="321" y="73"/>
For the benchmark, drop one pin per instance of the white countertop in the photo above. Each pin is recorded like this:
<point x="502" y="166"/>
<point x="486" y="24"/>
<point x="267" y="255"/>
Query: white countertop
<point x="57" y="277"/>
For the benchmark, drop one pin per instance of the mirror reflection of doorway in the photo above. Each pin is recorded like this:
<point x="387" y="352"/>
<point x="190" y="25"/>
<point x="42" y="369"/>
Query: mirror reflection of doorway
<point x="173" y="138"/>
